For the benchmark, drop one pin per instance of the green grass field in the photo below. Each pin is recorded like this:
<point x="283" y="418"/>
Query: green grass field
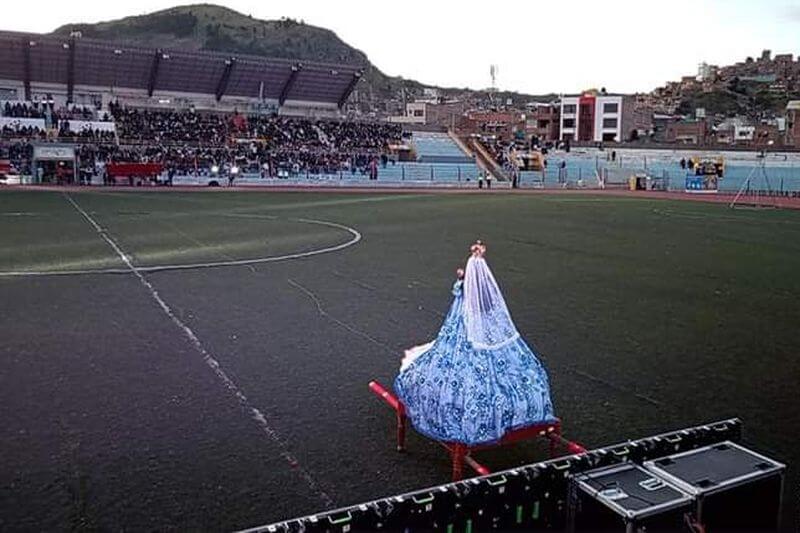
<point x="650" y="314"/>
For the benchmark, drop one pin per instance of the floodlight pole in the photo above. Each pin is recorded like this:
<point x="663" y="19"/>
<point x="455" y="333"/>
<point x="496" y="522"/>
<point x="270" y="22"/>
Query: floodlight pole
<point x="762" y="166"/>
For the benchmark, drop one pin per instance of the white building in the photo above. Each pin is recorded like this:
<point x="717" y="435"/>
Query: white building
<point x="596" y="118"/>
<point x="416" y="113"/>
<point x="706" y="71"/>
<point x="742" y="133"/>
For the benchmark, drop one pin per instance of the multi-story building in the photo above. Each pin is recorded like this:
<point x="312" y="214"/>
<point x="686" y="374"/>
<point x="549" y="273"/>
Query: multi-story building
<point x="687" y="132"/>
<point x="436" y="113"/>
<point x="503" y="125"/>
<point x="542" y="121"/>
<point x="744" y="133"/>
<point x="598" y="117"/>
<point x="706" y="72"/>
<point x="661" y="123"/>
<point x="414" y="114"/>
<point x="688" y="83"/>
<point x="445" y="113"/>
<point x="793" y="123"/>
<point x="723" y="133"/>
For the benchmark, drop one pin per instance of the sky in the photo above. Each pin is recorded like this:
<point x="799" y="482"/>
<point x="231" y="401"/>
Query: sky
<point x="539" y="47"/>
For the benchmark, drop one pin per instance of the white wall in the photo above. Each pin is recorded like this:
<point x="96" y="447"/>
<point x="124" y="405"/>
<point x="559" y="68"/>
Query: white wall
<point x="78" y="125"/>
<point x="744" y="133"/>
<point x="599" y="115"/>
<point x="569" y="100"/>
<point x="403" y="119"/>
<point x="18" y="122"/>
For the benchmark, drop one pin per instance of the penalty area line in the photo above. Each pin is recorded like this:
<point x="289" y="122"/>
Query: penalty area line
<point x="255" y="413"/>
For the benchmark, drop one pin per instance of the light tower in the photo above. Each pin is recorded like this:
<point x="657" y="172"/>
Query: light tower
<point x="493" y="71"/>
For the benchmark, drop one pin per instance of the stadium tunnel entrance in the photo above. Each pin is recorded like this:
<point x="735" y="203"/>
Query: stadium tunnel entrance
<point x="54" y="164"/>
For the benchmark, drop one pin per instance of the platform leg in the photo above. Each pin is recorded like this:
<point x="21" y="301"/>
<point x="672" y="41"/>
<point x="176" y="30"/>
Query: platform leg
<point x="401" y="429"/>
<point x="458" y="452"/>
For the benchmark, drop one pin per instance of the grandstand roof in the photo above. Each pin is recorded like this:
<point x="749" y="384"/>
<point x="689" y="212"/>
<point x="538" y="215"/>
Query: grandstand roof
<point x="40" y="58"/>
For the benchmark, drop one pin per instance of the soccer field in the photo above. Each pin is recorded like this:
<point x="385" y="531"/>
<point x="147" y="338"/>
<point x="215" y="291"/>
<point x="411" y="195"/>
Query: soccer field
<point x="200" y="360"/>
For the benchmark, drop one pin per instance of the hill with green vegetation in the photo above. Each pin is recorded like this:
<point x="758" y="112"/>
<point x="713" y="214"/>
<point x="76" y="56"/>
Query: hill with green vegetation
<point x="738" y="96"/>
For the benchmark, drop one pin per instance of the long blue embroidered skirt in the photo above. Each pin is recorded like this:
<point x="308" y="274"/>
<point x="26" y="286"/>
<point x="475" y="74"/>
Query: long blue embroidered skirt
<point x="456" y="393"/>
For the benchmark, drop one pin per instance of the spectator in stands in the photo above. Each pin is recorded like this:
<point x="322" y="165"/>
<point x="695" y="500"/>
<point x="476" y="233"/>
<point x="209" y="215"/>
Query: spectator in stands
<point x="373" y="169"/>
<point x="23" y="110"/>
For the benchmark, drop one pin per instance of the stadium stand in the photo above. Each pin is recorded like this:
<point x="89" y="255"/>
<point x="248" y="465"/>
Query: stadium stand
<point x="192" y="143"/>
<point x="439" y="158"/>
<point x="188" y="142"/>
<point x="158" y="126"/>
<point x="99" y="66"/>
<point x="120" y="104"/>
<point x="437" y="148"/>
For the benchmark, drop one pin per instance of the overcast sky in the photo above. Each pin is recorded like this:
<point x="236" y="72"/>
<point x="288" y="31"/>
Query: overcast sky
<point x="539" y="46"/>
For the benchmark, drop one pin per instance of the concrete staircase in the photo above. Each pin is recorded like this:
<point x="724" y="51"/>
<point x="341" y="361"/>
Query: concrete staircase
<point x="486" y="162"/>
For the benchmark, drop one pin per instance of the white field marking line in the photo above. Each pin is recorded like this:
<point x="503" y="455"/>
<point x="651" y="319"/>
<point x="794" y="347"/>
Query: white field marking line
<point x="337" y="202"/>
<point x="356" y="237"/>
<point x="697" y="215"/>
<point x="211" y="362"/>
<point x="321" y="310"/>
<point x="580" y="200"/>
<point x="204" y="245"/>
<point x="245" y="215"/>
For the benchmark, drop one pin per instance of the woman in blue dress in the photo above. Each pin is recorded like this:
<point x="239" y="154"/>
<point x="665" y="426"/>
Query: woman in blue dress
<point x="478" y="379"/>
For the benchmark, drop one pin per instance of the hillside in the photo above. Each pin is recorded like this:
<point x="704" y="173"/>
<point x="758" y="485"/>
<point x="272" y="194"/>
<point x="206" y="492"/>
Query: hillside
<point x="219" y="29"/>
<point x="736" y="98"/>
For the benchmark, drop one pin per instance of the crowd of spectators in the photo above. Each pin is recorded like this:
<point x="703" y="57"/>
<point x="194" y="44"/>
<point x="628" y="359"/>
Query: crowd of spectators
<point x="19" y="154"/>
<point x="66" y="132"/>
<point x="81" y="113"/>
<point x="40" y="110"/>
<point x="250" y="158"/>
<point x="16" y="130"/>
<point x="24" y="110"/>
<point x="288" y="132"/>
<point x="498" y="149"/>
<point x="194" y="143"/>
<point x="170" y="127"/>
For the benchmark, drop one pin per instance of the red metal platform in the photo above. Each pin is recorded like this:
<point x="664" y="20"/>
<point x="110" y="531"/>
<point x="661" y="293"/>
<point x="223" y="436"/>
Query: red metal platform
<point x="462" y="453"/>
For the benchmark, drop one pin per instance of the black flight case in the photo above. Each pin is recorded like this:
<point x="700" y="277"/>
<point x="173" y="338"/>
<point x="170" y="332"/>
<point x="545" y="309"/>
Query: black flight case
<point x="625" y="498"/>
<point x="735" y="489"/>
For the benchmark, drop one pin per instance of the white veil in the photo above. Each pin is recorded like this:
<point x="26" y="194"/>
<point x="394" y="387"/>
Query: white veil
<point x="486" y="317"/>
